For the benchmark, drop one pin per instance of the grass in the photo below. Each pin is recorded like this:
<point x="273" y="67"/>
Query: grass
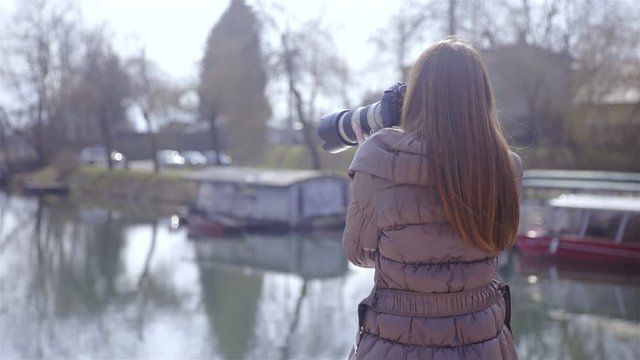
<point x="130" y="174"/>
<point x="542" y="157"/>
<point x="132" y="185"/>
<point x="298" y="157"/>
<point x="47" y="174"/>
<point x="582" y="158"/>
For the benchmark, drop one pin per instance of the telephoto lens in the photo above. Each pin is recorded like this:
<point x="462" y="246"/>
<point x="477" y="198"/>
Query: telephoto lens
<point x="336" y="129"/>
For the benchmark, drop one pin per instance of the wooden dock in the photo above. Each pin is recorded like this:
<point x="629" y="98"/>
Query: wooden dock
<point x="58" y="188"/>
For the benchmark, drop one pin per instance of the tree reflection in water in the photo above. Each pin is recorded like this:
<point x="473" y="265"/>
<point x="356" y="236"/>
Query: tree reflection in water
<point x="230" y="300"/>
<point x="71" y="279"/>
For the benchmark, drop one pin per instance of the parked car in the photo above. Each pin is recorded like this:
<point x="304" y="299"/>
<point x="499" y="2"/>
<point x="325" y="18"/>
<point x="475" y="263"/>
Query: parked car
<point x="194" y="158"/>
<point x="211" y="158"/>
<point x="170" y="158"/>
<point x="97" y="155"/>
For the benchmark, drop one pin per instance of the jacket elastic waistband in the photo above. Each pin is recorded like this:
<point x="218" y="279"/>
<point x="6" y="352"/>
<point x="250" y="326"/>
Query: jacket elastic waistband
<point x="410" y="303"/>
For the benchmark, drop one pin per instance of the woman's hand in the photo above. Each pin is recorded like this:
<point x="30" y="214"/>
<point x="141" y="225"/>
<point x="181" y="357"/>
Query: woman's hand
<point x="355" y="125"/>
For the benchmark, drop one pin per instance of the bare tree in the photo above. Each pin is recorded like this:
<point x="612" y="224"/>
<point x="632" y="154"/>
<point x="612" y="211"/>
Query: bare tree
<point x="32" y="61"/>
<point x="306" y="64"/>
<point x="606" y="50"/>
<point x="5" y="159"/>
<point x="148" y="97"/>
<point x="452" y="16"/>
<point x="291" y="70"/>
<point x="59" y="76"/>
<point x="406" y="31"/>
<point x="417" y="21"/>
<point x="107" y="86"/>
<point x="600" y="36"/>
<point x="309" y="63"/>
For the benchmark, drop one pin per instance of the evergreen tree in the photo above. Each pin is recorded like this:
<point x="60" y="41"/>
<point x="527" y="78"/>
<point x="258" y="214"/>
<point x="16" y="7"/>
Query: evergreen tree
<point x="232" y="84"/>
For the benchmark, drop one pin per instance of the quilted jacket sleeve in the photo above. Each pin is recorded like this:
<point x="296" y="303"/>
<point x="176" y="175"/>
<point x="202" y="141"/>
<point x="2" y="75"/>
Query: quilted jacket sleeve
<point x="361" y="234"/>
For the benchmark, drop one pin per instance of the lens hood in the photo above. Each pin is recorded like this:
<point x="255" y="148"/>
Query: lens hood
<point x="329" y="131"/>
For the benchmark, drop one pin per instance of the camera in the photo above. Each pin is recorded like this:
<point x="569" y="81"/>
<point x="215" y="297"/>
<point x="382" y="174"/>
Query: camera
<point x="335" y="128"/>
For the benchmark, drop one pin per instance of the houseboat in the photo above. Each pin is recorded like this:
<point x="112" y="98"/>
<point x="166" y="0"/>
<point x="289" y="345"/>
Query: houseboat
<point x="594" y="229"/>
<point x="234" y="198"/>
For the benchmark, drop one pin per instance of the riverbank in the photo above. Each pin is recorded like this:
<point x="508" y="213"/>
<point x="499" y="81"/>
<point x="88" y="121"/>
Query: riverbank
<point x="142" y="186"/>
<point x="136" y="185"/>
<point x="133" y="186"/>
<point x="115" y="185"/>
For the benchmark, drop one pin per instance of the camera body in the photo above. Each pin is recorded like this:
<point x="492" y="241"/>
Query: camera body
<point x="337" y="132"/>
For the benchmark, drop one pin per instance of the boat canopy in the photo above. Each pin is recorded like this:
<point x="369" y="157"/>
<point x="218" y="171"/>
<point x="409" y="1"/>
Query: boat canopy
<point x="597" y="202"/>
<point x="610" y="176"/>
<point x="582" y="180"/>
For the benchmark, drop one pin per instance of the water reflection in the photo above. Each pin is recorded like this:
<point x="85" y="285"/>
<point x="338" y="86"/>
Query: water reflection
<point x="312" y="255"/>
<point x="68" y="290"/>
<point x="251" y="296"/>
<point x="86" y="282"/>
<point x="566" y="312"/>
<point x="231" y="303"/>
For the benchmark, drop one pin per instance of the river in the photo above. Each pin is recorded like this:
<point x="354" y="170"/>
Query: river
<point x="84" y="282"/>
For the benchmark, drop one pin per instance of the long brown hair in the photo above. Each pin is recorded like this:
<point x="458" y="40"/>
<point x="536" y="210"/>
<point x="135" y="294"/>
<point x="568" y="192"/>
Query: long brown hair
<point x="450" y="105"/>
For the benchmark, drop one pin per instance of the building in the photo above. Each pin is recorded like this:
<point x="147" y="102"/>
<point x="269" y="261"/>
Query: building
<point x="532" y="86"/>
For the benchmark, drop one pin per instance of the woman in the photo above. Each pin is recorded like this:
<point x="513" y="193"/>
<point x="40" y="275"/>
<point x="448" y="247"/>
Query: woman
<point x="433" y="205"/>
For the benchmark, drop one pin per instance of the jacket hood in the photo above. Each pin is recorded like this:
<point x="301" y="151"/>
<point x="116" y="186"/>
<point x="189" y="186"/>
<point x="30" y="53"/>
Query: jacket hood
<point x="394" y="155"/>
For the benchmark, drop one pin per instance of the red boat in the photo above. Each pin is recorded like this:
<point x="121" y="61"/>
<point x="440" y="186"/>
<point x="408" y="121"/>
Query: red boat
<point x="200" y="224"/>
<point x="592" y="229"/>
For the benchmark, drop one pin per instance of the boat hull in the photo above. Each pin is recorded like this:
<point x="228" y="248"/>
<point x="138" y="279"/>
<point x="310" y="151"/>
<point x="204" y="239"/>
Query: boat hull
<point x="199" y="226"/>
<point x="579" y="249"/>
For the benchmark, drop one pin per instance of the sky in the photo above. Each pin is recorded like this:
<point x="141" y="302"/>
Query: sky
<point x="174" y="31"/>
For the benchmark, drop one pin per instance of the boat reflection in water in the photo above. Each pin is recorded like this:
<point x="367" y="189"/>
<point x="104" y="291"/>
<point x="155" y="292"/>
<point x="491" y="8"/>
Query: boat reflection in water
<point x="308" y="255"/>
<point x="276" y="295"/>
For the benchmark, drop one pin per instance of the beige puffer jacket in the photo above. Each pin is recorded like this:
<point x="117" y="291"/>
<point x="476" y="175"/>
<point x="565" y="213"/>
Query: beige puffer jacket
<point x="435" y="296"/>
